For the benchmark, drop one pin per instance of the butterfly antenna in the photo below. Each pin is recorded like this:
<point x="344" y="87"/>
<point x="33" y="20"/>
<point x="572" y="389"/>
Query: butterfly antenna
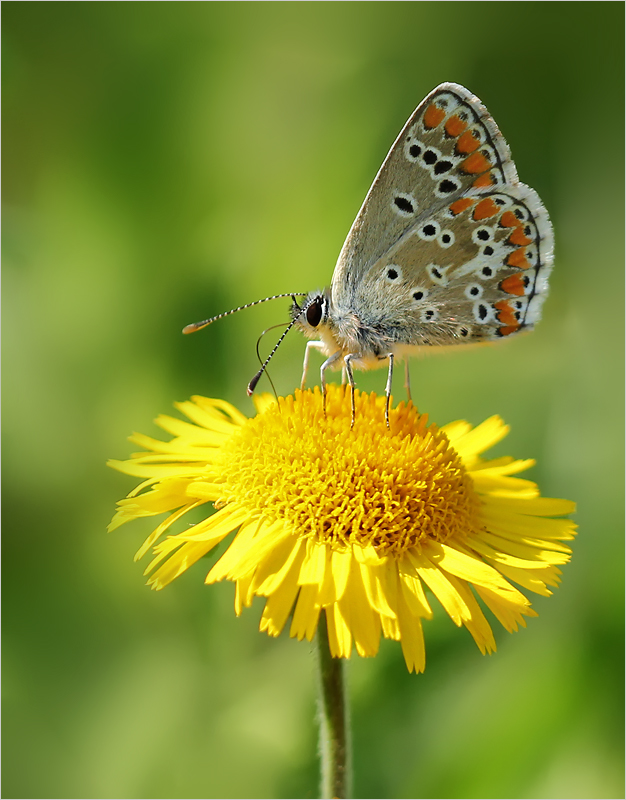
<point x="196" y="326"/>
<point x="255" y="380"/>
<point x="258" y="355"/>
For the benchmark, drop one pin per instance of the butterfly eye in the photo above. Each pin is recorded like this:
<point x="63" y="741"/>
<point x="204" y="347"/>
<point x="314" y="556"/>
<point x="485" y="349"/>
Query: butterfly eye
<point x="314" y="312"/>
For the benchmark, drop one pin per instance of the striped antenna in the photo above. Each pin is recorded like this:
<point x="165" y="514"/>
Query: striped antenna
<point x="257" y="377"/>
<point x="196" y="326"/>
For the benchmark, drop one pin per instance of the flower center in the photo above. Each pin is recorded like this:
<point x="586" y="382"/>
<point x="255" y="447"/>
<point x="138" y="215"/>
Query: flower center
<point x="369" y="486"/>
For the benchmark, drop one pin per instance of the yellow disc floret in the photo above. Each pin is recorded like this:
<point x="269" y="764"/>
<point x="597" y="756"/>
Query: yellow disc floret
<point x="365" y="486"/>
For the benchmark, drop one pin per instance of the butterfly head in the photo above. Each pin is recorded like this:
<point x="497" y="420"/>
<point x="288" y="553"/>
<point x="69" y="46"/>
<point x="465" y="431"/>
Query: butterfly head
<point x="312" y="316"/>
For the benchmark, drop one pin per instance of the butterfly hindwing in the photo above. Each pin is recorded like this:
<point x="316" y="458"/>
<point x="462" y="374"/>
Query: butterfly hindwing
<point x="475" y="270"/>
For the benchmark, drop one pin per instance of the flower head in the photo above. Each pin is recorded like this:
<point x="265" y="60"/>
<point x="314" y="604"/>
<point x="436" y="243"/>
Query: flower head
<point x="357" y="522"/>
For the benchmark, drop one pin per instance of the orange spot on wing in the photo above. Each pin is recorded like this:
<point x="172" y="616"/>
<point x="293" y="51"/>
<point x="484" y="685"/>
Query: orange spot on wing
<point x="476" y="163"/>
<point x="519" y="238"/>
<point x="509" y="220"/>
<point x="506" y="313"/>
<point x="455" y="126"/>
<point x="485" y="209"/>
<point x="433" y="116"/>
<point x="508" y="330"/>
<point x="484" y="180"/>
<point x="467" y="143"/>
<point x="460" y="205"/>
<point x="518" y="259"/>
<point x="513" y="285"/>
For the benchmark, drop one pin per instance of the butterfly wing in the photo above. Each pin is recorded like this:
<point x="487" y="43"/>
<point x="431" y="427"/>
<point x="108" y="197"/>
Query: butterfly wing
<point x="448" y="245"/>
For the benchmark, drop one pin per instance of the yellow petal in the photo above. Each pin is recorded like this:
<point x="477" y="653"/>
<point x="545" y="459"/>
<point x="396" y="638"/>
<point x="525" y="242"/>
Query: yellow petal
<point x="507" y="611"/>
<point x="375" y="595"/>
<point x="160" y="530"/>
<point x="469" y="568"/>
<point x="363" y="619"/>
<point x="441" y="586"/>
<point x="278" y="566"/>
<point x="237" y="550"/>
<point x="180" y="561"/>
<point x="481" y="438"/>
<point x="339" y="636"/>
<point x="280" y="603"/>
<point x="497" y="555"/>
<point x="266" y="539"/>
<point x="306" y="613"/>
<point x="539" y="506"/>
<point x="214" y="406"/>
<point x="526" y="580"/>
<point x="476" y="623"/>
<point x="314" y="564"/>
<point x="494" y="482"/>
<point x="503" y="466"/>
<point x="263" y="401"/>
<point x="414" y="597"/>
<point x="521" y="525"/>
<point x="207" y="418"/>
<point x="243" y="593"/>
<point x="455" y="430"/>
<point x="526" y="552"/>
<point x="336" y="576"/>
<point x="411" y="635"/>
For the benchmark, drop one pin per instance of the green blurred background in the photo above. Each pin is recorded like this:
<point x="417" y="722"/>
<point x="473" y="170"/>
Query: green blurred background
<point x="167" y="161"/>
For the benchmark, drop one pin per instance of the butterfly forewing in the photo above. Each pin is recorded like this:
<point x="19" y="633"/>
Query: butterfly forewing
<point x="448" y="247"/>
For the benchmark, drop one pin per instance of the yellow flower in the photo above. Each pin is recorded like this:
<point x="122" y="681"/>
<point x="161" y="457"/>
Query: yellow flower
<point x="357" y="522"/>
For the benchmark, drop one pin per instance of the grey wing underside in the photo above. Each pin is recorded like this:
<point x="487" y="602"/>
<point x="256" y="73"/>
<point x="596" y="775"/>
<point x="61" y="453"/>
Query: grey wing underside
<point x="380" y="222"/>
<point x="447" y="182"/>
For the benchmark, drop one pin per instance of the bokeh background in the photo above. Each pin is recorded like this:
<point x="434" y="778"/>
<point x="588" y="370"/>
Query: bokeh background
<point x="167" y="161"/>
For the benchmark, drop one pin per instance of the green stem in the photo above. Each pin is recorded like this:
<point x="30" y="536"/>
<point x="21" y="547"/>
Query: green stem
<point x="334" y="719"/>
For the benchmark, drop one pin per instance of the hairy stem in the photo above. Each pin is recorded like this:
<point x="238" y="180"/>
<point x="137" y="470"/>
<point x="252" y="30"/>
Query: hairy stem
<point x="334" y="719"/>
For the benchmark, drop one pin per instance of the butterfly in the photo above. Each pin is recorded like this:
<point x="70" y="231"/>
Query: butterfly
<point x="448" y="248"/>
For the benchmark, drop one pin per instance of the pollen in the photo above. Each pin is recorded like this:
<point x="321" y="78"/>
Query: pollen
<point x="341" y="487"/>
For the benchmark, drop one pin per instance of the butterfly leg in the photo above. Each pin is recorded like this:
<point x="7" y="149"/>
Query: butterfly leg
<point x="350" y="375"/>
<point x="407" y="380"/>
<point x="305" y="366"/>
<point x="388" y="388"/>
<point x="329" y="362"/>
